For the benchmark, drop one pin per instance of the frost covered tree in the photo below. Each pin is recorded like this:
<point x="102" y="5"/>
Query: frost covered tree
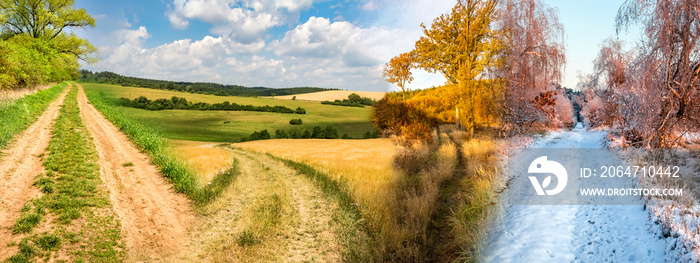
<point x="533" y="58"/>
<point x="665" y="76"/>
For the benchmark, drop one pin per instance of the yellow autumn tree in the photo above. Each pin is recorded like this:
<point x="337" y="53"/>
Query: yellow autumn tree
<point x="463" y="47"/>
<point x="398" y="71"/>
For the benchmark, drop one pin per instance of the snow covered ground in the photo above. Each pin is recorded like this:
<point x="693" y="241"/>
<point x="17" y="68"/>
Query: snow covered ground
<point x="572" y="233"/>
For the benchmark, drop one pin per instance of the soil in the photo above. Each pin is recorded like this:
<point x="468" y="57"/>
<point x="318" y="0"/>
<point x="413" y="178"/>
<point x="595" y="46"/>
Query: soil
<point x="154" y="218"/>
<point x="20" y="163"/>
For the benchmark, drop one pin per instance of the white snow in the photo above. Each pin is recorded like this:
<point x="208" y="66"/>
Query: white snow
<point x="572" y="233"/>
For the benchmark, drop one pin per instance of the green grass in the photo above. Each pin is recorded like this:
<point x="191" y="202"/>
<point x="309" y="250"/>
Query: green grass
<point x="151" y="141"/>
<point x="72" y="190"/>
<point x="209" y="125"/>
<point x="17" y="115"/>
<point x="358" y="244"/>
<point x="219" y="184"/>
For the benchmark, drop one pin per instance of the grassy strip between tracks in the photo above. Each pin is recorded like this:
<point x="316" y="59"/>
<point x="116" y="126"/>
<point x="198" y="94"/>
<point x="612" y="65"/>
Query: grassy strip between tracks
<point x="72" y="219"/>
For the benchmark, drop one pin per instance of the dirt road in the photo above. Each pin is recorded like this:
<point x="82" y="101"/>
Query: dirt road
<point x="19" y="165"/>
<point x="296" y="228"/>
<point x="154" y="218"/>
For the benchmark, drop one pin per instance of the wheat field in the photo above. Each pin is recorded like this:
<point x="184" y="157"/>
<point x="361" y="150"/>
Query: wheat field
<point x="333" y="95"/>
<point x="204" y="158"/>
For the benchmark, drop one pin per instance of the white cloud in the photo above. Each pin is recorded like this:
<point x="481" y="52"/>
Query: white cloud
<point x="317" y="52"/>
<point x="244" y="20"/>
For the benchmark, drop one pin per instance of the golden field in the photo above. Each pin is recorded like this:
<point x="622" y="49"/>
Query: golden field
<point x="333" y="95"/>
<point x="203" y="158"/>
<point x="365" y="165"/>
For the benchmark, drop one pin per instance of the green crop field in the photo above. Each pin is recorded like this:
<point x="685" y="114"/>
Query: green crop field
<point x="209" y="125"/>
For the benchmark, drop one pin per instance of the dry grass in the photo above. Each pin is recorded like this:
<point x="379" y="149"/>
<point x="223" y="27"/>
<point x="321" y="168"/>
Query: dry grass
<point x="425" y="168"/>
<point x="334" y="95"/>
<point x="9" y="95"/>
<point x="397" y="188"/>
<point x="204" y="158"/>
<point x="365" y="165"/>
<point x="268" y="214"/>
<point x="477" y="199"/>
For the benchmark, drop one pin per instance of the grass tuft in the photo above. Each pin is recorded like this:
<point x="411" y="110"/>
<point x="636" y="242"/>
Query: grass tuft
<point x="26" y="223"/>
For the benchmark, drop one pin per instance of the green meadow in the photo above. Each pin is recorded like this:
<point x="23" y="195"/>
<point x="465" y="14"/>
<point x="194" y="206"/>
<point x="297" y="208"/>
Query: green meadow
<point x="210" y="126"/>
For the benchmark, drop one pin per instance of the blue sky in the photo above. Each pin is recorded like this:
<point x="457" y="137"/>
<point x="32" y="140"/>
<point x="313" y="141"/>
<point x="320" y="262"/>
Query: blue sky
<point x="287" y="43"/>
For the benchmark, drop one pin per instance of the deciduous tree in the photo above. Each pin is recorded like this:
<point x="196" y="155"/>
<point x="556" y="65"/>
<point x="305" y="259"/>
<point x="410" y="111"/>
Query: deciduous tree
<point x="398" y="71"/>
<point x="48" y="20"/>
<point x="461" y="45"/>
<point x="667" y="69"/>
<point x="533" y="57"/>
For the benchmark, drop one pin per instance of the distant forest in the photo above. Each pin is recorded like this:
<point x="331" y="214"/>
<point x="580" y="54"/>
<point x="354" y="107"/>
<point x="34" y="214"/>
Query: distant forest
<point x="192" y="87"/>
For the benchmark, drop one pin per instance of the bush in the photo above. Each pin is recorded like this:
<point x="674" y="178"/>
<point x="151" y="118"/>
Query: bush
<point x="370" y="135"/>
<point x="281" y="134"/>
<point x="295" y="122"/>
<point x="402" y="119"/>
<point x="300" y="110"/>
<point x="353" y="100"/>
<point x="345" y="136"/>
<point x="295" y="133"/>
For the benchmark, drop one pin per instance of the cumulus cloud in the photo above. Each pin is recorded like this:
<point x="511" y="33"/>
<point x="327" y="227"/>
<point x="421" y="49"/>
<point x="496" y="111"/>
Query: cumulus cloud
<point x="244" y="20"/>
<point x="316" y="52"/>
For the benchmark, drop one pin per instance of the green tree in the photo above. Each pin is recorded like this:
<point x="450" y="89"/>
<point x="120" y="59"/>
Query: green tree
<point x="48" y="20"/>
<point x="354" y="98"/>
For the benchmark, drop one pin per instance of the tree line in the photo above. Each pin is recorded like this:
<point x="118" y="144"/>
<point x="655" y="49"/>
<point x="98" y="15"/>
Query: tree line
<point x="192" y="87"/>
<point x="317" y="132"/>
<point x="37" y="43"/>
<point x="177" y="103"/>
<point x="502" y="61"/>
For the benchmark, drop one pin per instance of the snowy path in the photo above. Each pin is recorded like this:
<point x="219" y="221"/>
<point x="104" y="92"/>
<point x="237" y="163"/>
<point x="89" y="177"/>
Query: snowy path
<point x="571" y="233"/>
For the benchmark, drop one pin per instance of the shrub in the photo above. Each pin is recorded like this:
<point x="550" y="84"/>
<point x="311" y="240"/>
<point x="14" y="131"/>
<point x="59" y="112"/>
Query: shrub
<point x="295" y="133"/>
<point x="402" y="119"/>
<point x="295" y="121"/>
<point x="330" y="133"/>
<point x="345" y="136"/>
<point x="300" y="110"/>
<point x="281" y="134"/>
<point x="370" y="135"/>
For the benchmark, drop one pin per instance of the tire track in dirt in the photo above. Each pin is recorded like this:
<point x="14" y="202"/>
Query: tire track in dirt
<point x="19" y="166"/>
<point x="304" y="233"/>
<point x="154" y="219"/>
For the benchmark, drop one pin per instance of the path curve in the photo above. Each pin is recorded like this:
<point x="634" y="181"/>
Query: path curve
<point x="154" y="218"/>
<point x="19" y="165"/>
<point x="305" y="232"/>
